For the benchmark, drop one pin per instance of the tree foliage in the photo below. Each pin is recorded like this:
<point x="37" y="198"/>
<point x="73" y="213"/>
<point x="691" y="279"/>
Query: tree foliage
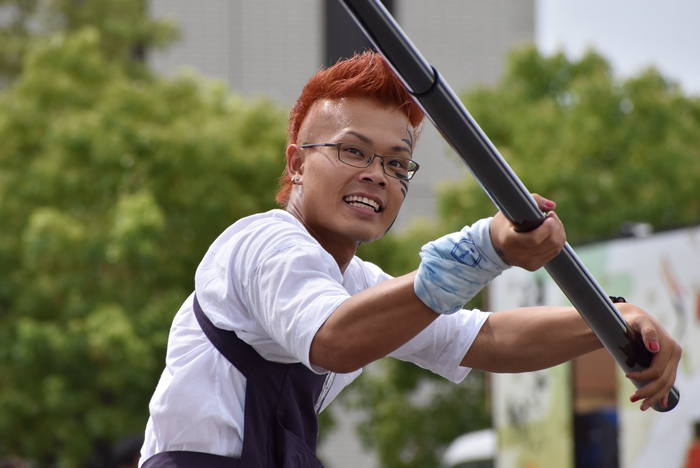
<point x="111" y="190"/>
<point x="413" y="414"/>
<point x="607" y="151"/>
<point x="126" y="30"/>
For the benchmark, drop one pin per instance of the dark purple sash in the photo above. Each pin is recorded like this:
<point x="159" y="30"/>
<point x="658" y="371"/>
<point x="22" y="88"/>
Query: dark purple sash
<point x="280" y="427"/>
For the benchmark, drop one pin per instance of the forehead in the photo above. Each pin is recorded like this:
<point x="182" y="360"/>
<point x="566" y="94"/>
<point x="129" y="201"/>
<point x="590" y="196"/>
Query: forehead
<point x="333" y="118"/>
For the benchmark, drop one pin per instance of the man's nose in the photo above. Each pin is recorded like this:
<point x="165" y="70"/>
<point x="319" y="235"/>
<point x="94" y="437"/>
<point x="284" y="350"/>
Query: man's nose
<point x="375" y="171"/>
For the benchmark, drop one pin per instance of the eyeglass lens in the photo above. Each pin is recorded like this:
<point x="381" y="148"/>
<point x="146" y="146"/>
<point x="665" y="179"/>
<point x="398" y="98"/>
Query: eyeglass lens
<point x="359" y="156"/>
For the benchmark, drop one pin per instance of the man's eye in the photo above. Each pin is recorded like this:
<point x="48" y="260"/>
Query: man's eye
<point x="354" y="151"/>
<point x="399" y="163"/>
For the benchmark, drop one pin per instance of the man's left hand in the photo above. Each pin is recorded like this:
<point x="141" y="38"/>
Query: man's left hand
<point x="667" y="354"/>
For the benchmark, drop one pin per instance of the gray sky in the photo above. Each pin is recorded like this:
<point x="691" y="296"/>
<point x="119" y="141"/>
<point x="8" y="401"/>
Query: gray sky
<point x="631" y="34"/>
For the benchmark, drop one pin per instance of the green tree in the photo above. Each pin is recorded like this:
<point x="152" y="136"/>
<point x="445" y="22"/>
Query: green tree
<point x="111" y="190"/>
<point x="414" y="414"/>
<point x="127" y="32"/>
<point x="607" y="151"/>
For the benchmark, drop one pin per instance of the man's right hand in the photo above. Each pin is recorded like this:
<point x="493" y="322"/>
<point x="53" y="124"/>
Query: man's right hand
<point x="529" y="250"/>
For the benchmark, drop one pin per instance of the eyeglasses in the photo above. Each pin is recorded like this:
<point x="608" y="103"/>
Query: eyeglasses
<point x="354" y="155"/>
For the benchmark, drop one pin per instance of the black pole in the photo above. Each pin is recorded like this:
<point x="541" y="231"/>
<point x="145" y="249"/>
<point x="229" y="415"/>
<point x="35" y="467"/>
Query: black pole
<point x="452" y="120"/>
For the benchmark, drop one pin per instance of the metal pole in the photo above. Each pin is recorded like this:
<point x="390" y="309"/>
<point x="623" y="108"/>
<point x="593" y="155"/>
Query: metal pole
<point x="507" y="192"/>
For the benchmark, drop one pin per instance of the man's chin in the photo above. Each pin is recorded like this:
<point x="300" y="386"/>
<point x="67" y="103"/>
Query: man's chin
<point x="366" y="237"/>
<point x="378" y="235"/>
<point x="369" y="233"/>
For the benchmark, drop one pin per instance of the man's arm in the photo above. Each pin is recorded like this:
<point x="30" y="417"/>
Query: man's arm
<point x="370" y="325"/>
<point x="528" y="339"/>
<point x="380" y="319"/>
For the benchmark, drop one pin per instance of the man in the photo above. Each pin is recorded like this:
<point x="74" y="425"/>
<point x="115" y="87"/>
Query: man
<point x="284" y="315"/>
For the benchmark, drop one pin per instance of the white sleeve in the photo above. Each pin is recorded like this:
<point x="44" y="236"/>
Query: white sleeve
<point x="291" y="293"/>
<point x="442" y="345"/>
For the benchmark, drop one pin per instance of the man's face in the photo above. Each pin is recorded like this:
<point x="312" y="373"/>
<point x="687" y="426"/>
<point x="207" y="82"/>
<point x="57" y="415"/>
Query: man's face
<point x="329" y="197"/>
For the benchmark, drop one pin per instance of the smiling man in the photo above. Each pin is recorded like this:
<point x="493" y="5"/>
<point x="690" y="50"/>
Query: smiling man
<point x="284" y="315"/>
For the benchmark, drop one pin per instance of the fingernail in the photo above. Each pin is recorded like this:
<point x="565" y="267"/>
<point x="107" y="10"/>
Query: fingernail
<point x="654" y="345"/>
<point x="664" y="402"/>
<point x="645" y="406"/>
<point x="634" y="399"/>
<point x="549" y="203"/>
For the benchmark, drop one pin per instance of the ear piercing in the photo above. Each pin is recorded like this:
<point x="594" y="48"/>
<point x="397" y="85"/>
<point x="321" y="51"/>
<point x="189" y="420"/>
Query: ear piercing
<point x="295" y="180"/>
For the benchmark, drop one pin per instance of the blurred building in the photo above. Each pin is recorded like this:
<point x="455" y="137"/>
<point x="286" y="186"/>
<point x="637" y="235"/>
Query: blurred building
<point x="272" y="47"/>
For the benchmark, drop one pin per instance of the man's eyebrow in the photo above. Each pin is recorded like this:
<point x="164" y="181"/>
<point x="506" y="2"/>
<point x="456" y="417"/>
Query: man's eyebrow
<point x="360" y="136"/>
<point x="369" y="141"/>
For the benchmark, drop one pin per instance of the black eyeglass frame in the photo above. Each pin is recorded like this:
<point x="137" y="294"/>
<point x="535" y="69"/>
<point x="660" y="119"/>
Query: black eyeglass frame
<point x="375" y="155"/>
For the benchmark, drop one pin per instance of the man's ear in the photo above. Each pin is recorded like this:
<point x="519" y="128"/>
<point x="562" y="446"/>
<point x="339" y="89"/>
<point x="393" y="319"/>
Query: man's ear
<point x="295" y="161"/>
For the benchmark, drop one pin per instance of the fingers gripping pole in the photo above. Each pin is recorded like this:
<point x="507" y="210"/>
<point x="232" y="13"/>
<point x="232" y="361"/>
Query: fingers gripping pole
<point x="500" y="183"/>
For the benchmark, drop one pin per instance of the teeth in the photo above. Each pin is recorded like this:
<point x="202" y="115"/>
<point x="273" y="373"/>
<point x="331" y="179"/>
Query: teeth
<point x="362" y="202"/>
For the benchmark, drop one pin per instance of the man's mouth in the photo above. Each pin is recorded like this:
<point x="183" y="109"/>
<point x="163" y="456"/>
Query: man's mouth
<point x="363" y="202"/>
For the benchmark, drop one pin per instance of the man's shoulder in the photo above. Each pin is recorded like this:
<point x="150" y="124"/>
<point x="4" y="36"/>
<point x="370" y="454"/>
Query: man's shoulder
<point x="270" y="220"/>
<point x="275" y="236"/>
<point x="254" y="237"/>
<point x="264" y="228"/>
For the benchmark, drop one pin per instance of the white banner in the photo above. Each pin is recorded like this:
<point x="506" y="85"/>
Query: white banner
<point x="531" y="411"/>
<point x="661" y="274"/>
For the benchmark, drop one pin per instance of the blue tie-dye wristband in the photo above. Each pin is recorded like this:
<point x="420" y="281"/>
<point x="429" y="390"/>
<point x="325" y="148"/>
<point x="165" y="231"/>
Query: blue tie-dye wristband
<point x="455" y="267"/>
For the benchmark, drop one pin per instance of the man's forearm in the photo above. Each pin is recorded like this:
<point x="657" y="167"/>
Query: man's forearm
<point x="370" y="325"/>
<point x="528" y="339"/>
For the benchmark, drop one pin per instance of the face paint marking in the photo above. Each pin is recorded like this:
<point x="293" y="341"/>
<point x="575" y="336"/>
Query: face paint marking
<point x="409" y="140"/>
<point x="405" y="186"/>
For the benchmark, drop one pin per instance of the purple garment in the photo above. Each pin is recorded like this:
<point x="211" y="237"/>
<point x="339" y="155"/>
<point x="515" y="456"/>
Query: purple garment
<point x="280" y="426"/>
